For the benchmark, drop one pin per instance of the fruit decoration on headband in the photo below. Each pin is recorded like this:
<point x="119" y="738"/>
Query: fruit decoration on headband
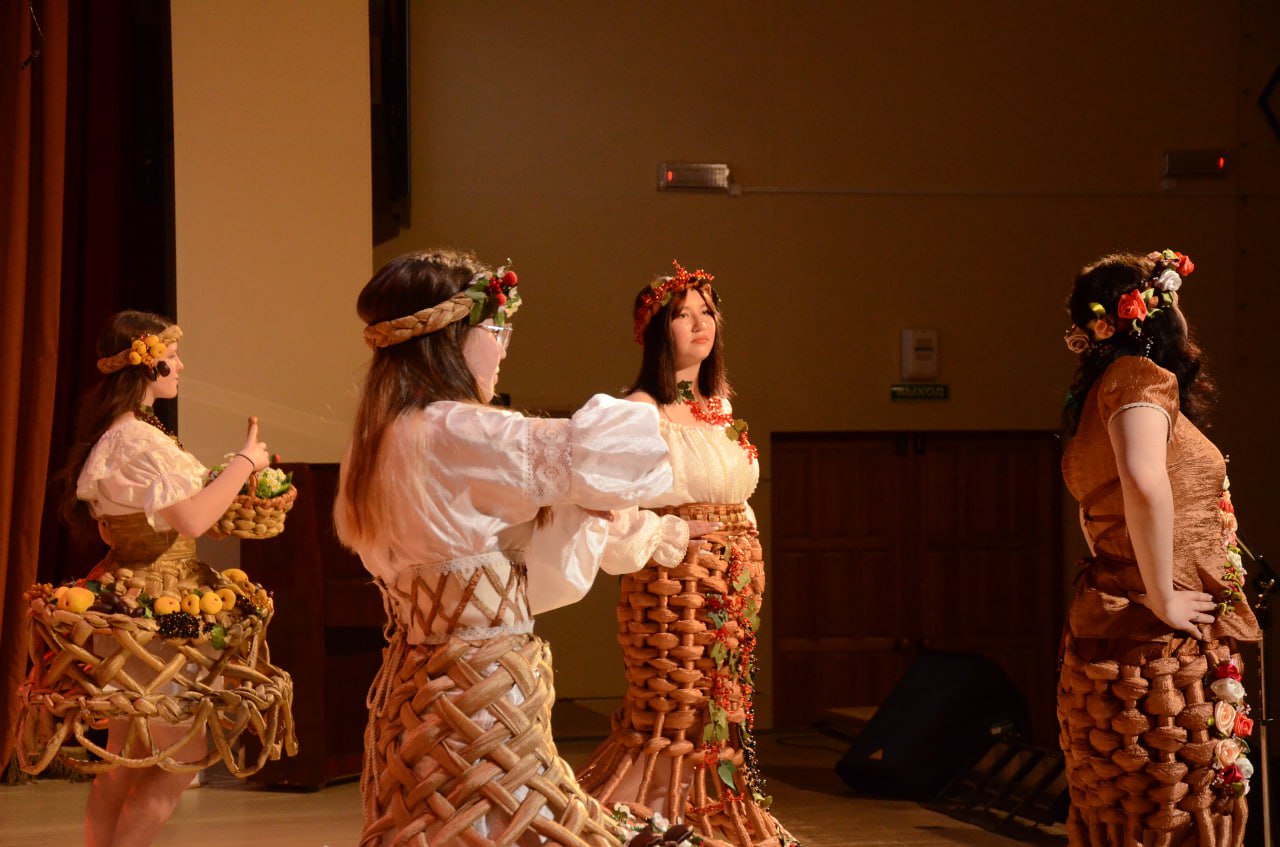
<point x="489" y="295"/>
<point x="662" y="289"/>
<point x="1136" y="306"/>
<point x="146" y="351"/>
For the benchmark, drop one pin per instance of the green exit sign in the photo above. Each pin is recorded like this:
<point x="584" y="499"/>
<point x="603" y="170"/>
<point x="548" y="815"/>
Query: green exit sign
<point x="920" y="391"/>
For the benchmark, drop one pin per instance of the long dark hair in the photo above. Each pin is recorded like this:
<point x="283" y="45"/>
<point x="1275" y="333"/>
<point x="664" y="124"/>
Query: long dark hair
<point x="114" y="395"/>
<point x="657" y="375"/>
<point x="1165" y="340"/>
<point x="405" y="376"/>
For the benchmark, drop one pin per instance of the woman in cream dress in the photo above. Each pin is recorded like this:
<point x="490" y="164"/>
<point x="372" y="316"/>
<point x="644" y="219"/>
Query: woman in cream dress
<point x="682" y="742"/>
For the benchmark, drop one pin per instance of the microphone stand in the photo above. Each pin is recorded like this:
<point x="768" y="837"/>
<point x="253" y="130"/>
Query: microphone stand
<point x="1264" y="583"/>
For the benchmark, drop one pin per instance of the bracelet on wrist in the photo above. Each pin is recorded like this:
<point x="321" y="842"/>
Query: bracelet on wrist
<point x="252" y="467"/>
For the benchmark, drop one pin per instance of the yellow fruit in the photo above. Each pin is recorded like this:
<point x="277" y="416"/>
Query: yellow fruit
<point x="261" y="598"/>
<point x="191" y="604"/>
<point x="236" y="575"/>
<point x="59" y="591"/>
<point x="210" y="603"/>
<point x="228" y="598"/>
<point x="165" y="605"/>
<point x="76" y="599"/>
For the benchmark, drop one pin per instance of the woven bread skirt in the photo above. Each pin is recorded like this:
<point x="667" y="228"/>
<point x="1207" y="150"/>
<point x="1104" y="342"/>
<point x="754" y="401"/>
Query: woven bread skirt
<point x="97" y="669"/>
<point x="458" y="751"/>
<point x="682" y="742"/>
<point x="1137" y="727"/>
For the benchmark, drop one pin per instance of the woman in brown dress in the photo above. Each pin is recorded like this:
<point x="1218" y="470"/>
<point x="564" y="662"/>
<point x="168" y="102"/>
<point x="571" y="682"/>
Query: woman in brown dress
<point x="1154" y="721"/>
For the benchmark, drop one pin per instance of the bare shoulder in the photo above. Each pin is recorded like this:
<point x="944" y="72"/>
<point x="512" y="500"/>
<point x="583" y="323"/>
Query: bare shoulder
<point x="641" y="397"/>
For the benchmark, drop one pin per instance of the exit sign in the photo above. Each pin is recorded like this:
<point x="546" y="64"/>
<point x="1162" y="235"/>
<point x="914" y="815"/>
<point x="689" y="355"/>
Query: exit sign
<point x="920" y="391"/>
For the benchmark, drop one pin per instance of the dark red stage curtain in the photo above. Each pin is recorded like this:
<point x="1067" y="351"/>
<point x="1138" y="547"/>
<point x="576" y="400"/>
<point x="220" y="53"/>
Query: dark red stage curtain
<point x="33" y="110"/>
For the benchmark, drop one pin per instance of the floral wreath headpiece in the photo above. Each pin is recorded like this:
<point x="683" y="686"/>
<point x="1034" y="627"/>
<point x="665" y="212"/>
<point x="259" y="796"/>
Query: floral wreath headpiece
<point x="490" y="294"/>
<point x="662" y="289"/>
<point x="146" y="351"/>
<point x="1136" y="306"/>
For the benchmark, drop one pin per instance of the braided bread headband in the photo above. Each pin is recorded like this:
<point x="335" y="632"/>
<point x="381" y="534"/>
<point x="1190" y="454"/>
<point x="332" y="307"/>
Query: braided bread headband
<point x="490" y="294"/>
<point x="146" y="350"/>
<point x="661" y="291"/>
<point x="1169" y="267"/>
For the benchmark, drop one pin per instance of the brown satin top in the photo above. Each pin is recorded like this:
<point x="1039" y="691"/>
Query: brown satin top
<point x="1197" y="473"/>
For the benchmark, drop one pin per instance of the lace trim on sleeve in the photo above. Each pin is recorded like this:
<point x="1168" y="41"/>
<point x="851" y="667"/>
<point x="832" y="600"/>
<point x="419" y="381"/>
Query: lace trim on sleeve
<point x="1161" y="409"/>
<point x="673" y="541"/>
<point x="547" y="460"/>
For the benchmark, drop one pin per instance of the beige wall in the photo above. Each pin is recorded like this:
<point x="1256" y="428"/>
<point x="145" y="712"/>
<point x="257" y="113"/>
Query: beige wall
<point x="271" y="149"/>
<point x="950" y="166"/>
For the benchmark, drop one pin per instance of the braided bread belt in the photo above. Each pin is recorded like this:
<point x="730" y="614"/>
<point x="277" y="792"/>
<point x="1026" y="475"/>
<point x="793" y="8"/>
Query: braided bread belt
<point x="664" y="632"/>
<point x="460" y="733"/>
<point x="1136" y="731"/>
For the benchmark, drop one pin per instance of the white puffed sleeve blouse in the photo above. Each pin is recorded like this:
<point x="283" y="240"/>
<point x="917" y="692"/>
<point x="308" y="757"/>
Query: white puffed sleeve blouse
<point x="460" y="479"/>
<point x="135" y="467"/>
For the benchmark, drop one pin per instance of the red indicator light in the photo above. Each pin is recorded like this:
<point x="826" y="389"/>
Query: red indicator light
<point x="671" y="175"/>
<point x="1222" y="162"/>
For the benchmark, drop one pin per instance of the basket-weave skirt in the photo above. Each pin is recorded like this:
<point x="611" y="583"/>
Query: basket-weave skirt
<point x="458" y="751"/>
<point x="688" y="638"/>
<point x="93" y="669"/>
<point x="1134" y="721"/>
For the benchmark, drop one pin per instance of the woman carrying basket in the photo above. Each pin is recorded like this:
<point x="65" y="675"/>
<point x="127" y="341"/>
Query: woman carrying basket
<point x="445" y="498"/>
<point x="682" y="742"/>
<point x="154" y="644"/>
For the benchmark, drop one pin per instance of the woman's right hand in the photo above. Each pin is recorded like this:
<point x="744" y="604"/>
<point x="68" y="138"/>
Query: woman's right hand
<point x="253" y="449"/>
<point x="1182" y="610"/>
<point x="697" y="529"/>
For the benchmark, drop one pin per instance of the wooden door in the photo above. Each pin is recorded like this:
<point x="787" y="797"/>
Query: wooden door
<point x="886" y="543"/>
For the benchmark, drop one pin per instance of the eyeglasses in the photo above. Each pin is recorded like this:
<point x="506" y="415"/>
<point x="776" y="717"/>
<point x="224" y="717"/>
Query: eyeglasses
<point x="502" y="334"/>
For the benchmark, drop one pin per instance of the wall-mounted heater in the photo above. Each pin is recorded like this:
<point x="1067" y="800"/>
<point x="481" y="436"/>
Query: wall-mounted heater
<point x="693" y="176"/>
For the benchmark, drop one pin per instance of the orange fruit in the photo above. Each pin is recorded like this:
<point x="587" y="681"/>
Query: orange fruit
<point x="191" y="604"/>
<point x="261" y="598"/>
<point x="165" y="605"/>
<point x="210" y="603"/>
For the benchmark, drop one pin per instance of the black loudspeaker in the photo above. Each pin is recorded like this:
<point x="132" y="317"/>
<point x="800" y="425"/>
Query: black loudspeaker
<point x="945" y="712"/>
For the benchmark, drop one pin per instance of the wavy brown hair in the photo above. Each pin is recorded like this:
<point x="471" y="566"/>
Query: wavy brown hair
<point x="657" y="375"/>
<point x="1165" y="340"/>
<point x="405" y="376"/>
<point x="114" y="395"/>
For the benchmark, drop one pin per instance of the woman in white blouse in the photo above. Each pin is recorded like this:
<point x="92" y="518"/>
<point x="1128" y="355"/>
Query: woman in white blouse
<point x="682" y="742"/>
<point x="447" y="501"/>
<point x="149" y="500"/>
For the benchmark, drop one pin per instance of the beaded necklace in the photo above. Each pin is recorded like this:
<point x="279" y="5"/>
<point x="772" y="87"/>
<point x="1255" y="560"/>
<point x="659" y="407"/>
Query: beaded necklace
<point x="711" y="412"/>
<point x="147" y="414"/>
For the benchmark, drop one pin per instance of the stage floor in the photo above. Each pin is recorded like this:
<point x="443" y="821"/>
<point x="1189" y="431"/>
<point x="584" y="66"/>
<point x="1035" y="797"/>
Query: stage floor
<point x="808" y="797"/>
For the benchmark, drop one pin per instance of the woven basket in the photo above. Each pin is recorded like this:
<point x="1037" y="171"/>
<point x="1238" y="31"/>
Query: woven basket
<point x="250" y="516"/>
<point x="90" y="668"/>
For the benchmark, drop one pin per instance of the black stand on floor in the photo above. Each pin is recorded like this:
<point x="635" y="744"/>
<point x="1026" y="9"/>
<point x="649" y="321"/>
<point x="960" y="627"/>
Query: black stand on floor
<point x="1015" y="790"/>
